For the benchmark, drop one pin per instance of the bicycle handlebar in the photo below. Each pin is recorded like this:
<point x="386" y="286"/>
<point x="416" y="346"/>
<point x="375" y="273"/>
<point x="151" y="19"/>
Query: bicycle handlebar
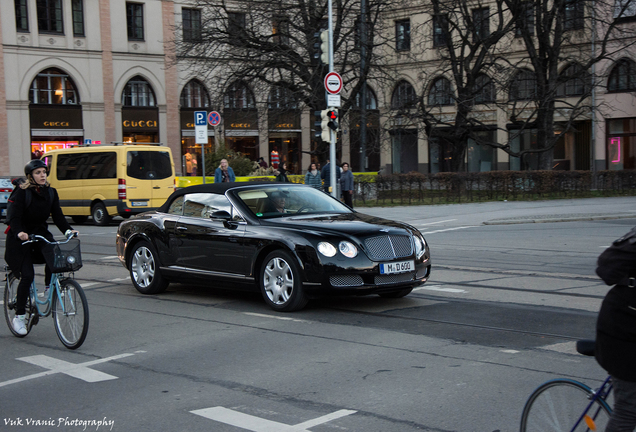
<point x="35" y="238"/>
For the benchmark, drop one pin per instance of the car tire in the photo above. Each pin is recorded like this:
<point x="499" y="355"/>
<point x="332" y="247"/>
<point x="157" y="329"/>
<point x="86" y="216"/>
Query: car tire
<point x="143" y="265"/>
<point x="280" y="282"/>
<point x="100" y="214"/>
<point x="79" y="220"/>
<point x="397" y="294"/>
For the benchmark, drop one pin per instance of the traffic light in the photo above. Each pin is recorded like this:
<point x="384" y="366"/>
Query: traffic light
<point x="333" y="119"/>
<point x="324" y="46"/>
<point x="324" y="125"/>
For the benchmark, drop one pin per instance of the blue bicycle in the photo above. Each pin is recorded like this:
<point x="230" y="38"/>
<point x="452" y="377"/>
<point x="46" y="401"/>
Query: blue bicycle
<point x="65" y="299"/>
<point x="565" y="405"/>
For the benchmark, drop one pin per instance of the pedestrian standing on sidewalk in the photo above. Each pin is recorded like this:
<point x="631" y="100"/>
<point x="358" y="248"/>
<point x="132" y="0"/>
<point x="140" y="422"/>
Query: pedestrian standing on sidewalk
<point x="346" y="185"/>
<point x="312" y="178"/>
<point x="615" y="347"/>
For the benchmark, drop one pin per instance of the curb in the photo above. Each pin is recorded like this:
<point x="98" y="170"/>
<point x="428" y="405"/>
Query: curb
<point x="561" y="219"/>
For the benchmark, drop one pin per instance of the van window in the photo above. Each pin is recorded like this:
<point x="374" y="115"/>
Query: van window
<point x="149" y="164"/>
<point x="70" y="166"/>
<point x="94" y="165"/>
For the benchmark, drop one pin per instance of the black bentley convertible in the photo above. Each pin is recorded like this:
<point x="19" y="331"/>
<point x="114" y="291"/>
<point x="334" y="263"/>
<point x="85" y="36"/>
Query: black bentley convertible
<point x="290" y="241"/>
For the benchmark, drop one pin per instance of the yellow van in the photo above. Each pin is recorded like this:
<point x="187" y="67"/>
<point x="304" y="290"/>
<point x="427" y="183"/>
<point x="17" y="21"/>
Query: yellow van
<point x="103" y="181"/>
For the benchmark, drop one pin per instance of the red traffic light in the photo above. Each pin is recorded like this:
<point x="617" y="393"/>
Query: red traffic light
<point x="333" y="115"/>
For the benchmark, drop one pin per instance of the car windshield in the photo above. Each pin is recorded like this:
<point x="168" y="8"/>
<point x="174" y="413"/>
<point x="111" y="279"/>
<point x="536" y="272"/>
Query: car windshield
<point x="281" y="201"/>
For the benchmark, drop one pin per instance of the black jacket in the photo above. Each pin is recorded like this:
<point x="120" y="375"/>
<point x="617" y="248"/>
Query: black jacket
<point x="616" y="326"/>
<point x="31" y="220"/>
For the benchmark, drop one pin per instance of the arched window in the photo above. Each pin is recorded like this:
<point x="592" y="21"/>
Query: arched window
<point x="484" y="90"/>
<point x="53" y="87"/>
<point x="622" y="78"/>
<point x="239" y="96"/>
<point x="440" y="92"/>
<point x="194" y="95"/>
<point x="404" y="96"/>
<point x="372" y="101"/>
<point x="523" y="86"/>
<point x="282" y="98"/>
<point x="138" y="93"/>
<point x="573" y="81"/>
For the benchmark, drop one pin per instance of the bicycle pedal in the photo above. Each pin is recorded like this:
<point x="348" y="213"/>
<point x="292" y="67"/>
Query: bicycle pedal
<point x="35" y="318"/>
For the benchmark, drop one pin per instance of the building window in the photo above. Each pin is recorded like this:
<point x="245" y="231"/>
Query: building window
<point x="135" y="21"/>
<point x="191" y="20"/>
<point x="524" y="86"/>
<point x="21" y="16"/>
<point x="50" y="16"/>
<point x="78" y="17"/>
<point x="481" y="21"/>
<point x="239" y="96"/>
<point x="280" y="30"/>
<point x="573" y="81"/>
<point x="573" y="15"/>
<point x="236" y="28"/>
<point x="524" y="140"/>
<point x="621" y="144"/>
<point x="282" y="98"/>
<point x="440" y="30"/>
<point x="194" y="95"/>
<point x="53" y="87"/>
<point x="403" y="35"/>
<point x="483" y="90"/>
<point x="440" y="93"/>
<point x="622" y="78"/>
<point x="403" y="96"/>
<point x="481" y="156"/>
<point x="372" y="101"/>
<point x="138" y="93"/>
<point x="525" y="20"/>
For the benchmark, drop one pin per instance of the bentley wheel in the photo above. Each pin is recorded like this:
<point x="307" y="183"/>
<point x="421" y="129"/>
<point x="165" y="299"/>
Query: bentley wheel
<point x="397" y="294"/>
<point x="280" y="282"/>
<point x="144" y="269"/>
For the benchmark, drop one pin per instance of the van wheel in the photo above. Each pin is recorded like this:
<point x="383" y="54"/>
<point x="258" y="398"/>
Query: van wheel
<point x="100" y="215"/>
<point x="79" y="219"/>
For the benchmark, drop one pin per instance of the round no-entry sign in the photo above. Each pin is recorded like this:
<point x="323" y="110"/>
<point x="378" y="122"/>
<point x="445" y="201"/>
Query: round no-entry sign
<point x="214" y="118"/>
<point x="333" y="83"/>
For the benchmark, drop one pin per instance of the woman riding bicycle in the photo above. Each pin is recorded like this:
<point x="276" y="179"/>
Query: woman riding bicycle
<point x="28" y="216"/>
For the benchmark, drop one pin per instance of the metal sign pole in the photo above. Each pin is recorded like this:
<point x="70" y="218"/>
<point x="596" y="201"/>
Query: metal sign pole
<point x="332" y="133"/>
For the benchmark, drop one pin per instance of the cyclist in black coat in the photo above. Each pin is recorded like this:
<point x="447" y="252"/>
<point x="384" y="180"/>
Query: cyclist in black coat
<point x="615" y="347"/>
<point x="24" y="221"/>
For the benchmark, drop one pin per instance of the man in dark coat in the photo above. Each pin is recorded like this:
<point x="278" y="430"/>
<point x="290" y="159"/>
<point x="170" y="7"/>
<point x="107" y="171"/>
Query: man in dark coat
<point x="615" y="347"/>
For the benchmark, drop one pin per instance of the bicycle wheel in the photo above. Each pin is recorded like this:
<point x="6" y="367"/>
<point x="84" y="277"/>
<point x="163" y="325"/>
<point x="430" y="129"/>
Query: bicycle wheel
<point x="10" y="293"/>
<point x="557" y="405"/>
<point x="70" y="314"/>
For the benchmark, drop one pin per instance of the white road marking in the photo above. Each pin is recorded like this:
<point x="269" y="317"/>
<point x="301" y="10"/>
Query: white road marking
<point x="510" y="351"/>
<point x="274" y="317"/>
<point x="258" y="424"/>
<point x="449" y="229"/>
<point x="80" y="371"/>
<point x="109" y="257"/>
<point x="439" y="288"/>
<point x="434" y="223"/>
<point x="118" y="279"/>
<point x="84" y="285"/>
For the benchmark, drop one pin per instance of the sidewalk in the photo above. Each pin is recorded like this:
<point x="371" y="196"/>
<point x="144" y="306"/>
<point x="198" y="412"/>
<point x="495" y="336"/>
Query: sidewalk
<point x="513" y="212"/>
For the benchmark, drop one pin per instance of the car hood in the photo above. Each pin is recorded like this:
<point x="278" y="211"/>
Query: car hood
<point x="354" y="224"/>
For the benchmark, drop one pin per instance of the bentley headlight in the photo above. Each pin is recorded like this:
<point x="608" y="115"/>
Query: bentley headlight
<point x="420" y="246"/>
<point x="327" y="249"/>
<point x="348" y="249"/>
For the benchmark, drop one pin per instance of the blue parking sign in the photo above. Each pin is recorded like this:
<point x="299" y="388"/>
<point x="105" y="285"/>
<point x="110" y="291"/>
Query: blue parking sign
<point x="200" y="118"/>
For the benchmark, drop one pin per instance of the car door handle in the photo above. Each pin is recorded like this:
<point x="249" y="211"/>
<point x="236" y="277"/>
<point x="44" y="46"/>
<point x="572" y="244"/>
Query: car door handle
<point x="182" y="228"/>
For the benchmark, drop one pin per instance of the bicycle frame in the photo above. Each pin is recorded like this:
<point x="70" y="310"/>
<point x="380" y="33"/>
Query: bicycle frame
<point x="601" y="393"/>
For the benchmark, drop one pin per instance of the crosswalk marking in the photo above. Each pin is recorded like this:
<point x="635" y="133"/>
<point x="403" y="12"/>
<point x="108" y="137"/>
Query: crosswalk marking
<point x="80" y="371"/>
<point x="258" y="424"/>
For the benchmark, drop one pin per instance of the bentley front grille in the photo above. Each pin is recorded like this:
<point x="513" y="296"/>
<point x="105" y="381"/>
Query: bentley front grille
<point x="346" y="280"/>
<point x="388" y="247"/>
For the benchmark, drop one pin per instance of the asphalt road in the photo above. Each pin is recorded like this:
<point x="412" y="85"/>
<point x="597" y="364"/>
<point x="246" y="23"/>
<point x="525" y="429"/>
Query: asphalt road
<point x="500" y="315"/>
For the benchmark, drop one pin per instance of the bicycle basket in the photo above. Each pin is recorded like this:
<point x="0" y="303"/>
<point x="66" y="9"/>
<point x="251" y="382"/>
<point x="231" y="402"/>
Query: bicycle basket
<point x="65" y="257"/>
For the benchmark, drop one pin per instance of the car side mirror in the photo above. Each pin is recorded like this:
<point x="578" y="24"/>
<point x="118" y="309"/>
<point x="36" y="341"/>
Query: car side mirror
<point x="221" y="215"/>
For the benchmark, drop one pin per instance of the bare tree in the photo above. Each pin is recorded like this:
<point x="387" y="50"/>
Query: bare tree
<point x="268" y="43"/>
